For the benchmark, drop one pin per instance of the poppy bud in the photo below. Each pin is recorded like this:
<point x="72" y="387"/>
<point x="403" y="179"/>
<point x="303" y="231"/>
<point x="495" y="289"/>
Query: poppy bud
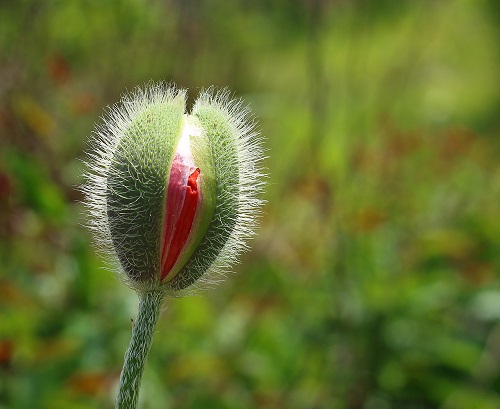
<point x="172" y="196"/>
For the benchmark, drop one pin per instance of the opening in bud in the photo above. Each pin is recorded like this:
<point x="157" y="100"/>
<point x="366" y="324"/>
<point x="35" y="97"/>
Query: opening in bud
<point x="183" y="197"/>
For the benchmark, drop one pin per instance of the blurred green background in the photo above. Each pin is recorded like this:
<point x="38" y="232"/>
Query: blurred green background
<point x="374" y="280"/>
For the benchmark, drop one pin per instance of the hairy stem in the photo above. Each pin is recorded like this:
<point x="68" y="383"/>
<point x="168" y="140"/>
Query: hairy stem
<point x="135" y="358"/>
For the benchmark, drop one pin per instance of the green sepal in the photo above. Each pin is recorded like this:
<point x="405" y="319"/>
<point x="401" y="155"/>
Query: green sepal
<point x="136" y="186"/>
<point x="217" y="125"/>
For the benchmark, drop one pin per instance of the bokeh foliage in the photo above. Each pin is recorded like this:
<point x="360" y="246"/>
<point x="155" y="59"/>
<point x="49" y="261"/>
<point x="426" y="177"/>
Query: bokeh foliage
<point x="373" y="282"/>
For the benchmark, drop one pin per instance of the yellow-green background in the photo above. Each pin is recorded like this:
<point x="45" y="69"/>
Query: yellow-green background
<point x="374" y="280"/>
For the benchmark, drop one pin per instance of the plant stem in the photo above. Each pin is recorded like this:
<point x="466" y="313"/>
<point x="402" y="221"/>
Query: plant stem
<point x="135" y="358"/>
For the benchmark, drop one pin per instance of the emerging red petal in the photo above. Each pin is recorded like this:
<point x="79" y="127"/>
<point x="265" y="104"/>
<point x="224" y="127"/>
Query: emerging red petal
<point x="180" y="211"/>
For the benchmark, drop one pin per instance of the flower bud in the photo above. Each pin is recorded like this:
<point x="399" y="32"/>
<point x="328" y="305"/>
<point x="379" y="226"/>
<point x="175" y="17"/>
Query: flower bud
<point x="173" y="197"/>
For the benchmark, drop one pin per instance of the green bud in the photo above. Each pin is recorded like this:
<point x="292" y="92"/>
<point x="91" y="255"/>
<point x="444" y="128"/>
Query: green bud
<point x="174" y="197"/>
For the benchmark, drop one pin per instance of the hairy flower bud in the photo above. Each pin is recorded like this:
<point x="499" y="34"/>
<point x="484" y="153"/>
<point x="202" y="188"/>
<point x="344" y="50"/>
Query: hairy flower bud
<point x="174" y="197"/>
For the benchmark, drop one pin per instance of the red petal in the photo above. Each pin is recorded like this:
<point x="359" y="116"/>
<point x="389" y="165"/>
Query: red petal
<point x="182" y="202"/>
